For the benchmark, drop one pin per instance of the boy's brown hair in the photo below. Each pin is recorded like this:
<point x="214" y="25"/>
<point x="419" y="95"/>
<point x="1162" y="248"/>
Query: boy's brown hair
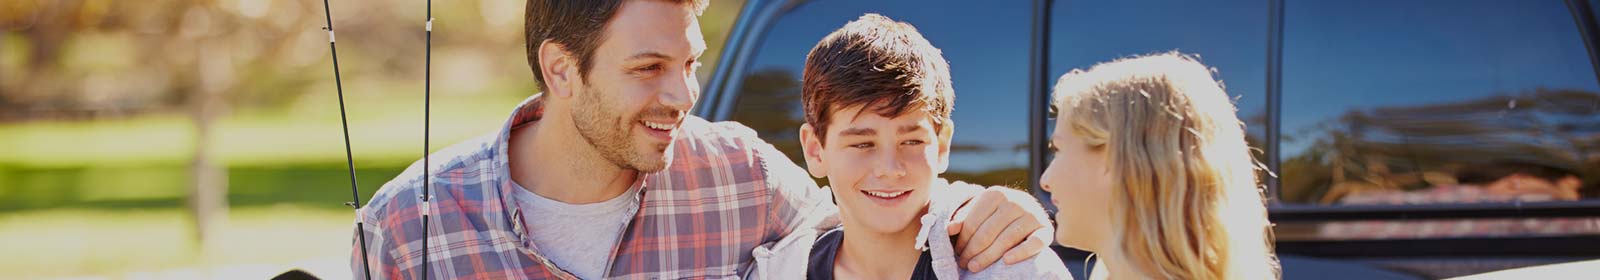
<point x="882" y="65"/>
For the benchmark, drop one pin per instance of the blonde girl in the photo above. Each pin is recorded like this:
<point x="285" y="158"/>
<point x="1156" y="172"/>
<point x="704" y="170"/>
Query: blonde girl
<point x="1152" y="173"/>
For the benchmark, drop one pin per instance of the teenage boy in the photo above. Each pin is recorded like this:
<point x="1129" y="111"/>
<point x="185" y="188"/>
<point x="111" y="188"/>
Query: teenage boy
<point x="877" y="100"/>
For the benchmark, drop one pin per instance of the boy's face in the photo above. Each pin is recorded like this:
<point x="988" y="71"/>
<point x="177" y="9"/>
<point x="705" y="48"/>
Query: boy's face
<point x="880" y="168"/>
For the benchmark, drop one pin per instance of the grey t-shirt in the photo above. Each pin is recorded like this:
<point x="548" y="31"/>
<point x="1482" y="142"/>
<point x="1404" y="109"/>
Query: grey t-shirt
<point x="570" y="234"/>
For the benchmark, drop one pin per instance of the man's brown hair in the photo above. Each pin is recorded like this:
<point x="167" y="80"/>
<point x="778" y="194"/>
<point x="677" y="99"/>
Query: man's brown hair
<point x="576" y="25"/>
<point x="882" y="65"/>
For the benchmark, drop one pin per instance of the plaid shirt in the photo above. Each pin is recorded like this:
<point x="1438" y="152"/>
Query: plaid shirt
<point x="724" y="193"/>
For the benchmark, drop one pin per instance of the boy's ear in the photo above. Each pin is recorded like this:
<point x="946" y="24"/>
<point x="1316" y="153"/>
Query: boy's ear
<point x="559" y="68"/>
<point x="944" y="149"/>
<point x="811" y="146"/>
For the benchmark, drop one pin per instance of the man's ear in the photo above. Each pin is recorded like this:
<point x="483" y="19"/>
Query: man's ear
<point x="944" y="149"/>
<point x="559" y="68"/>
<point x="811" y="146"/>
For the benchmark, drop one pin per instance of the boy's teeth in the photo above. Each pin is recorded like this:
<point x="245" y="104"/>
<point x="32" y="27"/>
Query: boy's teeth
<point x="885" y="194"/>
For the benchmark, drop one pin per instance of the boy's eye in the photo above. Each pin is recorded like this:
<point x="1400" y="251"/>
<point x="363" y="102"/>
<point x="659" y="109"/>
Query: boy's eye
<point x="861" y="145"/>
<point x="912" y="142"/>
<point x="1052" y="147"/>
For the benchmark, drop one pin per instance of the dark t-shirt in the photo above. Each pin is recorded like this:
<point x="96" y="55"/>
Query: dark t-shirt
<point x="827" y="249"/>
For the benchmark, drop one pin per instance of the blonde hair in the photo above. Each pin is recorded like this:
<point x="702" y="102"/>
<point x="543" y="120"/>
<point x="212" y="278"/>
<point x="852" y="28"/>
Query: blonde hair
<point x="1186" y="202"/>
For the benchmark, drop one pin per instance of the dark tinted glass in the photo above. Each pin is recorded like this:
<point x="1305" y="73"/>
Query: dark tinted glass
<point x="1425" y="102"/>
<point x="1437" y="102"/>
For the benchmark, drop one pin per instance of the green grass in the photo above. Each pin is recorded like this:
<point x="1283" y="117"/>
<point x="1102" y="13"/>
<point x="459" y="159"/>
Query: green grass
<point x="256" y="243"/>
<point x="383" y="129"/>
<point x="159" y="186"/>
<point x="291" y="155"/>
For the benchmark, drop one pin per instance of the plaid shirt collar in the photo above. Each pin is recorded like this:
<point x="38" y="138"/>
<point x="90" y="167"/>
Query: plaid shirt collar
<point x="529" y="111"/>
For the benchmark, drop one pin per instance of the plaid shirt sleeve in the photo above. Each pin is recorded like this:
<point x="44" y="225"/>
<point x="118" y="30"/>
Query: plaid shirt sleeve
<point x="375" y="217"/>
<point x="377" y="265"/>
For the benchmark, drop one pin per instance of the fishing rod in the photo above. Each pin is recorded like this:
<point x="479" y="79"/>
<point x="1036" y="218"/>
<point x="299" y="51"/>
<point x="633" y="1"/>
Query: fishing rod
<point x="349" y="160"/>
<point x="427" y="84"/>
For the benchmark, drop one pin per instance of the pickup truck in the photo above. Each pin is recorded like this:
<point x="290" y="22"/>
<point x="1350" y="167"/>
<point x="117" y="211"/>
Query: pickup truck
<point x="1406" y="139"/>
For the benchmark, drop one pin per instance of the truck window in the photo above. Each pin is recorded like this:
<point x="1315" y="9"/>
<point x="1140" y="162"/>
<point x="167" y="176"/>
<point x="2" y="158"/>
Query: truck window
<point x="1438" y="102"/>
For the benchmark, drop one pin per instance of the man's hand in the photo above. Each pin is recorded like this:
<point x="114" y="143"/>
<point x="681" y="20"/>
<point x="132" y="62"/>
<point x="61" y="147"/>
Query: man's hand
<point x="999" y="221"/>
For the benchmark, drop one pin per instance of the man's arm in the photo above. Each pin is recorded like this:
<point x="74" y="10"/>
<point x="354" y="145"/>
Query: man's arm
<point x="799" y="212"/>
<point x="798" y="204"/>
<point x="999" y="222"/>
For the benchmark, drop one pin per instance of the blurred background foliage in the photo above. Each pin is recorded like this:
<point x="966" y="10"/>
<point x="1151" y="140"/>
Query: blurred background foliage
<point x="201" y="138"/>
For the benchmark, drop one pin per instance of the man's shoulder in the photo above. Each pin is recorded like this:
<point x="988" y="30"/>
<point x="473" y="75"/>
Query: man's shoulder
<point x="727" y="144"/>
<point x="461" y="165"/>
<point x="731" y="148"/>
<point x="725" y="134"/>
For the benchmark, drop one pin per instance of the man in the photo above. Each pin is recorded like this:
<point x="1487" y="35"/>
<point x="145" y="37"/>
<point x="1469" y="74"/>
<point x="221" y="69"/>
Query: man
<point x="604" y="175"/>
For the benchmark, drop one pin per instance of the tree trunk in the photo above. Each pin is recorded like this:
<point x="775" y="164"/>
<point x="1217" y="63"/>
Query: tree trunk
<point x="208" y="195"/>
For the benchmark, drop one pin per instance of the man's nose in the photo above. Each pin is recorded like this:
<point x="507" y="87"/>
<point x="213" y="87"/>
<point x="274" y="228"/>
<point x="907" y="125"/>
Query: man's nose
<point x="680" y="94"/>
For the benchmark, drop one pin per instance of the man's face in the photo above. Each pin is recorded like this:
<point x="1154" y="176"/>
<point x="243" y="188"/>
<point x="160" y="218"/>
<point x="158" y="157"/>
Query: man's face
<point x="880" y="168"/>
<point x="642" y="83"/>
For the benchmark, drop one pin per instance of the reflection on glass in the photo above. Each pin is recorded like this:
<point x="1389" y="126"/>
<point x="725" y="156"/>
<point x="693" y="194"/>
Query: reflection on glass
<point x="990" y="142"/>
<point x="1435" y="229"/>
<point x="1376" y="111"/>
<point x="1410" y="103"/>
<point x="769" y="103"/>
<point x="1535" y="146"/>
